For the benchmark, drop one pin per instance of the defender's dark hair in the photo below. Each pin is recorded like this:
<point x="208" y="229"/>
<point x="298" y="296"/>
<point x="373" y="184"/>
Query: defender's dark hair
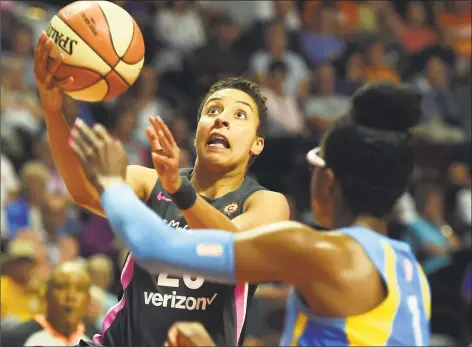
<point x="371" y="150"/>
<point x="246" y="86"/>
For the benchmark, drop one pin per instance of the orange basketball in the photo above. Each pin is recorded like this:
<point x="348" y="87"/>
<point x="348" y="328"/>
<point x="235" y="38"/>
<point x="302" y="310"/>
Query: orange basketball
<point x="103" y="49"/>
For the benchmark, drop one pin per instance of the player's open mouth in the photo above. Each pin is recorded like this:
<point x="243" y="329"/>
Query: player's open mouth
<point x="218" y="141"/>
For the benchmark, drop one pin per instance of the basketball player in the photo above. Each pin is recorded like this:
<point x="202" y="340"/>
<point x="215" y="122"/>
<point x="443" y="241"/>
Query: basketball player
<point x="352" y="286"/>
<point x="229" y="136"/>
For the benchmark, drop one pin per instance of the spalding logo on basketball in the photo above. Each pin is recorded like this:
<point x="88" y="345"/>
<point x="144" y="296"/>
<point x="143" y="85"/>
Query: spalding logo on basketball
<point x="103" y="49"/>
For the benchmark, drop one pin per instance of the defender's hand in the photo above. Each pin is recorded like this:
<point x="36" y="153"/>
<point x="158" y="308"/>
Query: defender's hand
<point x="103" y="158"/>
<point x="165" y="154"/>
<point x="189" y="334"/>
<point x="49" y="88"/>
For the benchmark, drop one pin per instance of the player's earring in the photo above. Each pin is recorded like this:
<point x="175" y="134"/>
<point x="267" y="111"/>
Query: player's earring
<point x="195" y="143"/>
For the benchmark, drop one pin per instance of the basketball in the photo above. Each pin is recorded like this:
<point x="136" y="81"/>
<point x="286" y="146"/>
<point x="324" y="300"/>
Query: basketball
<point x="103" y="49"/>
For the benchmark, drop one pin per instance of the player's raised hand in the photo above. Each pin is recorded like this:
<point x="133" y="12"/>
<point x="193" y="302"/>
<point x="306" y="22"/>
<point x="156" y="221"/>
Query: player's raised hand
<point x="188" y="334"/>
<point x="49" y="88"/>
<point x="165" y="154"/>
<point x="103" y="158"/>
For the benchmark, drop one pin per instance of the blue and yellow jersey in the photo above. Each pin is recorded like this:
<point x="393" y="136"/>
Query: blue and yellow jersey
<point x="401" y="319"/>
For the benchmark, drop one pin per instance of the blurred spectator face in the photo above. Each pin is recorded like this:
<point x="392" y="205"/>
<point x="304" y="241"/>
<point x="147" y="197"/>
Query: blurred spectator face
<point x="277" y="78"/>
<point x="328" y="20"/>
<point x="20" y="270"/>
<point x="376" y="54"/>
<point x="100" y="269"/>
<point x="22" y="42"/>
<point x="54" y="211"/>
<point x="235" y="115"/>
<point x="12" y="77"/>
<point x="180" y="130"/>
<point x="126" y="123"/>
<point x="436" y="72"/>
<point x="355" y="68"/>
<point x="42" y="152"/>
<point x="326" y="77"/>
<point x="226" y="30"/>
<point x="180" y="5"/>
<point x="34" y="183"/>
<point x="68" y="293"/>
<point x="147" y="83"/>
<point x="277" y="38"/>
<point x="416" y="14"/>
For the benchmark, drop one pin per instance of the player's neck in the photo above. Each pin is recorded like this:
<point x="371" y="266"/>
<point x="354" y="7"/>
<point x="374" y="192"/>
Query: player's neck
<point x="372" y="223"/>
<point x="213" y="184"/>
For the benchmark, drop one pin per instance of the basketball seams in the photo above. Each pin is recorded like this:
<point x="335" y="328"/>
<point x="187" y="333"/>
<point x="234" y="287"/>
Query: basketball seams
<point x="130" y="44"/>
<point x="75" y="32"/>
<point x="121" y="77"/>
<point x="108" y="30"/>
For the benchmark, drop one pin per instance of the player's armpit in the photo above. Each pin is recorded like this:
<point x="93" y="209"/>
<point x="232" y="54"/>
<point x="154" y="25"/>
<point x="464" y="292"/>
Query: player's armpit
<point x="262" y="208"/>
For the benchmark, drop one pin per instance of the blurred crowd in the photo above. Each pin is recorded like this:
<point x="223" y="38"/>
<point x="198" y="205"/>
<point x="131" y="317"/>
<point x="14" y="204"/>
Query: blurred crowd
<point x="309" y="57"/>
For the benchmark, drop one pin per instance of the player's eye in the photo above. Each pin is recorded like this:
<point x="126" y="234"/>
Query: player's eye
<point x="213" y="110"/>
<point x="240" y="115"/>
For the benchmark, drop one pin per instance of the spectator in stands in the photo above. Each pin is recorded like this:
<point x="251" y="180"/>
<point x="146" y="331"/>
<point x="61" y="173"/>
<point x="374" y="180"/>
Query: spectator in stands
<point x="24" y="212"/>
<point x="431" y="243"/>
<point x="10" y="188"/>
<point x="219" y="58"/>
<point x="284" y="116"/>
<point x="19" y="302"/>
<point x="68" y="298"/>
<point x="22" y="52"/>
<point x="42" y="153"/>
<point x="377" y="68"/>
<point x="440" y="105"/>
<point x="354" y="76"/>
<point x="324" y="106"/>
<point x="457" y="21"/>
<point x="180" y="27"/>
<point x="321" y="41"/>
<point x="20" y="106"/>
<point x="285" y="11"/>
<point x="414" y="33"/>
<point x="100" y="269"/>
<point x="147" y="102"/>
<point x="123" y="128"/>
<point x="179" y="128"/>
<point x="297" y="76"/>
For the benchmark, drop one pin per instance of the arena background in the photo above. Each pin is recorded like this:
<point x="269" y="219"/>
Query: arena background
<point x="309" y="56"/>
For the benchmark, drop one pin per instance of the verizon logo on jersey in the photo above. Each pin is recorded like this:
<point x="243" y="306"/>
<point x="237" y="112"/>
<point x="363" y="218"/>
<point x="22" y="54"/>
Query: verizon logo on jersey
<point x="179" y="302"/>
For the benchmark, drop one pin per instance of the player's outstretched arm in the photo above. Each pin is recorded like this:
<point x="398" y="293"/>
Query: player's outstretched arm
<point x="287" y="251"/>
<point x="262" y="208"/>
<point x="67" y="163"/>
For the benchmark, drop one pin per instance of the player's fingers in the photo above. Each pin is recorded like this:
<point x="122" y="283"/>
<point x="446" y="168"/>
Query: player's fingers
<point x="167" y="132"/>
<point x="51" y="70"/>
<point x="102" y="133"/>
<point x="153" y="140"/>
<point x="76" y="146"/>
<point x="86" y="134"/>
<point x="63" y="84"/>
<point x="39" y="67"/>
<point x="160" y="159"/>
<point x="163" y="140"/>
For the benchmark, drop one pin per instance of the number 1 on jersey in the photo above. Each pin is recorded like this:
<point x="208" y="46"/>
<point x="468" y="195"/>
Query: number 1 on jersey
<point x="164" y="280"/>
